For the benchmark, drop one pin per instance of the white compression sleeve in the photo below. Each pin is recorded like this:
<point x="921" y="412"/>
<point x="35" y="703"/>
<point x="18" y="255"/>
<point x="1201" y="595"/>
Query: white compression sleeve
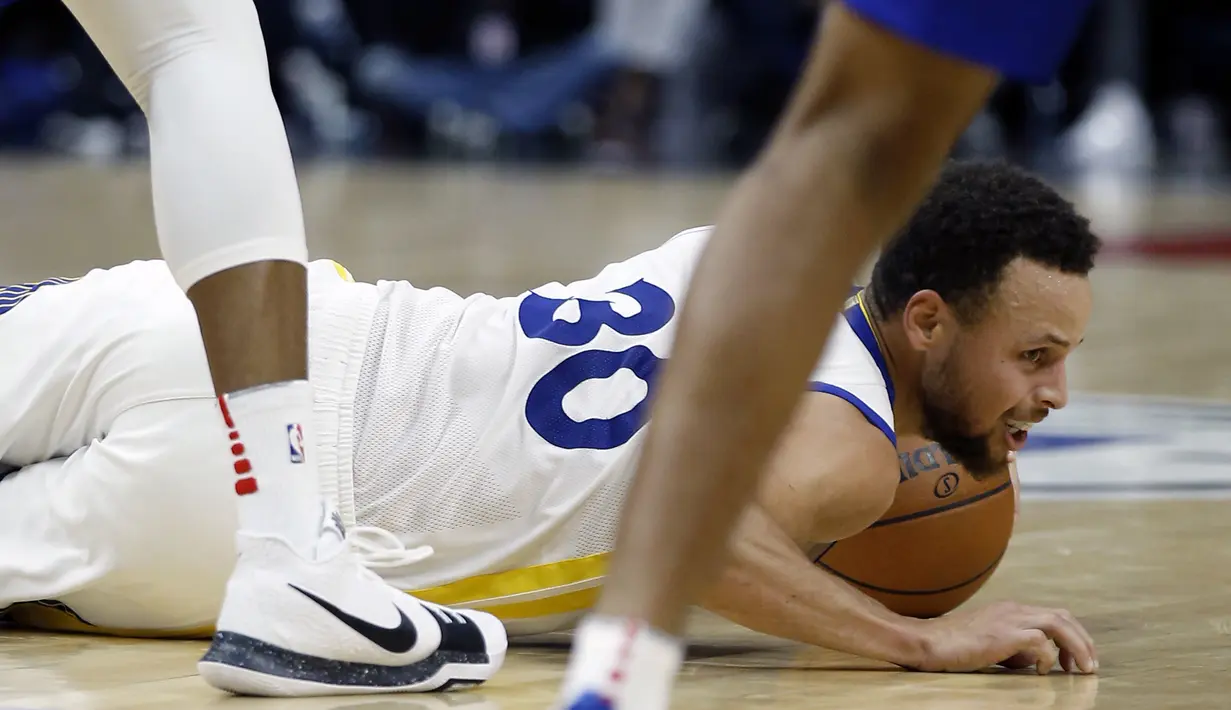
<point x="224" y="186"/>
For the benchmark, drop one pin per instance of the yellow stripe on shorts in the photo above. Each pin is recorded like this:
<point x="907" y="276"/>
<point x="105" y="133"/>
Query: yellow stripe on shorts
<point x="56" y="616"/>
<point x="487" y="591"/>
<point x="537" y="592"/>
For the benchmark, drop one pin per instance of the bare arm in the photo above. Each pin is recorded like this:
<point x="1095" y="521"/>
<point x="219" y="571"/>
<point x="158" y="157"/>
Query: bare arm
<point x="771" y="587"/>
<point x="833" y="475"/>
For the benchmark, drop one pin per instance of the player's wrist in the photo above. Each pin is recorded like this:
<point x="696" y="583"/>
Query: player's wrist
<point x="890" y="638"/>
<point x="910" y="646"/>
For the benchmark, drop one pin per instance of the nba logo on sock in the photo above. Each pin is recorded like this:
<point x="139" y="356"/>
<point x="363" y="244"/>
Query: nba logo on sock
<point x="294" y="434"/>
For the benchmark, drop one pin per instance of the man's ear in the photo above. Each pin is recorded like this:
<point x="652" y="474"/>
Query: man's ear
<point x="926" y="319"/>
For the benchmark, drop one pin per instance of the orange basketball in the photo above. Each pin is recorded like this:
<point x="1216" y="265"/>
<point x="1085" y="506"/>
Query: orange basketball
<point x="940" y="541"/>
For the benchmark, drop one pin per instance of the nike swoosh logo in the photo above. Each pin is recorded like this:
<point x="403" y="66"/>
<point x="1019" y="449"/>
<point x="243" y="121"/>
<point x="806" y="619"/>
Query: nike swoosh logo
<point x="399" y="639"/>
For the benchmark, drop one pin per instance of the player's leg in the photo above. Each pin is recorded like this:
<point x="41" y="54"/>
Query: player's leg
<point x="109" y="409"/>
<point x="128" y="537"/>
<point x="230" y="226"/>
<point x="870" y="123"/>
<point x="129" y="534"/>
<point x="109" y="414"/>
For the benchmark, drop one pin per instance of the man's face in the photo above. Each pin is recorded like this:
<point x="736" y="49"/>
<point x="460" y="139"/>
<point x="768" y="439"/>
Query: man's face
<point x="985" y="383"/>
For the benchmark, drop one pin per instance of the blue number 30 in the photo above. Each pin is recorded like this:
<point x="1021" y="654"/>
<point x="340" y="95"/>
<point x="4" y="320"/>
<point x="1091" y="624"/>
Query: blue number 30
<point x="545" y="404"/>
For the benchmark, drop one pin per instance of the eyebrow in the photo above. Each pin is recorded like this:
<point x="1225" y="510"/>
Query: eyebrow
<point x="1057" y="340"/>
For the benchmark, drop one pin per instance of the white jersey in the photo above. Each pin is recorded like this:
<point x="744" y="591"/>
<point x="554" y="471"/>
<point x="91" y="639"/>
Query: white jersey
<point x="503" y="432"/>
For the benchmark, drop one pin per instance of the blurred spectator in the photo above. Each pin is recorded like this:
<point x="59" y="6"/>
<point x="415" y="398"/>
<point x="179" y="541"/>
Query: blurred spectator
<point x="60" y="93"/>
<point x="37" y="68"/>
<point x="1189" y="80"/>
<point x="755" y="51"/>
<point x="475" y="71"/>
<point x="525" y="69"/>
<point x="1115" y="132"/>
<point x="651" y="43"/>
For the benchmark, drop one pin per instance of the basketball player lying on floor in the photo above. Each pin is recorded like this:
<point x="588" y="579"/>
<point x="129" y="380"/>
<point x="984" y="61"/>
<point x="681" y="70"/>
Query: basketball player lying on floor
<point x="501" y="433"/>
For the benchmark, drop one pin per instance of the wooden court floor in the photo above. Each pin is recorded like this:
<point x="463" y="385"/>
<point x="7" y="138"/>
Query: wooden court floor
<point x="1149" y="575"/>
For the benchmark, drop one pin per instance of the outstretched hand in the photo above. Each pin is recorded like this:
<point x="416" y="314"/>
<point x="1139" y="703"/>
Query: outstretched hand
<point x="1010" y="635"/>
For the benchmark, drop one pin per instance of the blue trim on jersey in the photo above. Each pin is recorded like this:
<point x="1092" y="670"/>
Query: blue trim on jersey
<point x="10" y="296"/>
<point x="868" y="413"/>
<point x="1021" y="39"/>
<point x="857" y="318"/>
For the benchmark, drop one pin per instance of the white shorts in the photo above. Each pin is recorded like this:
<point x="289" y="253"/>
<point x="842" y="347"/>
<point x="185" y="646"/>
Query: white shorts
<point x="120" y="516"/>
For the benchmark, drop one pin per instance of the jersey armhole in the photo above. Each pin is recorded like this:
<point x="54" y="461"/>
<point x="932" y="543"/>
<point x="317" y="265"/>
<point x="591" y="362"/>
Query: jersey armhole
<point x="868" y="413"/>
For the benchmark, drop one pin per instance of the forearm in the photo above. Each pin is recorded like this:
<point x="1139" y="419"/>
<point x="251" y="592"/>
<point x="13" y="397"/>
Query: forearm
<point x="771" y="587"/>
<point x="870" y="124"/>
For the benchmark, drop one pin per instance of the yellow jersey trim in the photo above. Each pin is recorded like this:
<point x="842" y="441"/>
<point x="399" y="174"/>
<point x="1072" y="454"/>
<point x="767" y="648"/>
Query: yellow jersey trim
<point x="863" y="307"/>
<point x="346" y="275"/>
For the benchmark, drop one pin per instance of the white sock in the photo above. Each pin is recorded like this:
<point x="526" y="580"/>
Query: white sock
<point x="274" y="466"/>
<point x="624" y="661"/>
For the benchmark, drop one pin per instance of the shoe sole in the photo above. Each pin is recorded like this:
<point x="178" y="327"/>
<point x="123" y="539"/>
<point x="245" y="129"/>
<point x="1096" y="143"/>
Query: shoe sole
<point x="246" y="666"/>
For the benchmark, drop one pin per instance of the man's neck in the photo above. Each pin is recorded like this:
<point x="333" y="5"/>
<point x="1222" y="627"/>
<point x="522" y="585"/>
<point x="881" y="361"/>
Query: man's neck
<point x="904" y="365"/>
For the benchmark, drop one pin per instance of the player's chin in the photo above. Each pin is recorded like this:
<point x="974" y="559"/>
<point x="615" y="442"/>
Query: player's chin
<point x="1002" y="453"/>
<point x="997" y="457"/>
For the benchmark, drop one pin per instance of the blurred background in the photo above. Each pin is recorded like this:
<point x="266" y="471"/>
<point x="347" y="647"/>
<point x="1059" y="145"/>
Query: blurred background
<point x="624" y="85"/>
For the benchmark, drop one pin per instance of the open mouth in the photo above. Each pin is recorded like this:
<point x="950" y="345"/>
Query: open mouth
<point x="1016" y="433"/>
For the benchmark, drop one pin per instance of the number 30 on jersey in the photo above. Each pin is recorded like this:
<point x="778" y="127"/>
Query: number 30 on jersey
<point x="545" y="404"/>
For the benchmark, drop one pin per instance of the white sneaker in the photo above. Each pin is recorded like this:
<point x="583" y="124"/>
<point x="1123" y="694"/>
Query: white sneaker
<point x="330" y="626"/>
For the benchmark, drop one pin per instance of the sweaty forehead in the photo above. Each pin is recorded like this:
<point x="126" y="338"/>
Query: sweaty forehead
<point x="1033" y="297"/>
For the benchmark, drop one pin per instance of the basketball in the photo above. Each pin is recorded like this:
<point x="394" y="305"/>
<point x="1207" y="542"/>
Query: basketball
<point x="938" y="543"/>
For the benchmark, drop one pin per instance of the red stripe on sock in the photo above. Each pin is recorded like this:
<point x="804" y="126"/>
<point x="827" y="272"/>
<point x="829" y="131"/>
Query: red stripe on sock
<point x="226" y="413"/>
<point x="626" y="650"/>
<point x="244" y="486"/>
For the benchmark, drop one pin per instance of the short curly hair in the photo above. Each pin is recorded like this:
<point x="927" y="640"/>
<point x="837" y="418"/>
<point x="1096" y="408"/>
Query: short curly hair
<point x="978" y="218"/>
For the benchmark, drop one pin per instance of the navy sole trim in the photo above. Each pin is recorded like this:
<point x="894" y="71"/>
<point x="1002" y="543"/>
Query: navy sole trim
<point x="239" y="651"/>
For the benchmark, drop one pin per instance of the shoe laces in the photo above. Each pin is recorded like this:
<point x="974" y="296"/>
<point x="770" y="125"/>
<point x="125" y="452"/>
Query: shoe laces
<point x="378" y="548"/>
